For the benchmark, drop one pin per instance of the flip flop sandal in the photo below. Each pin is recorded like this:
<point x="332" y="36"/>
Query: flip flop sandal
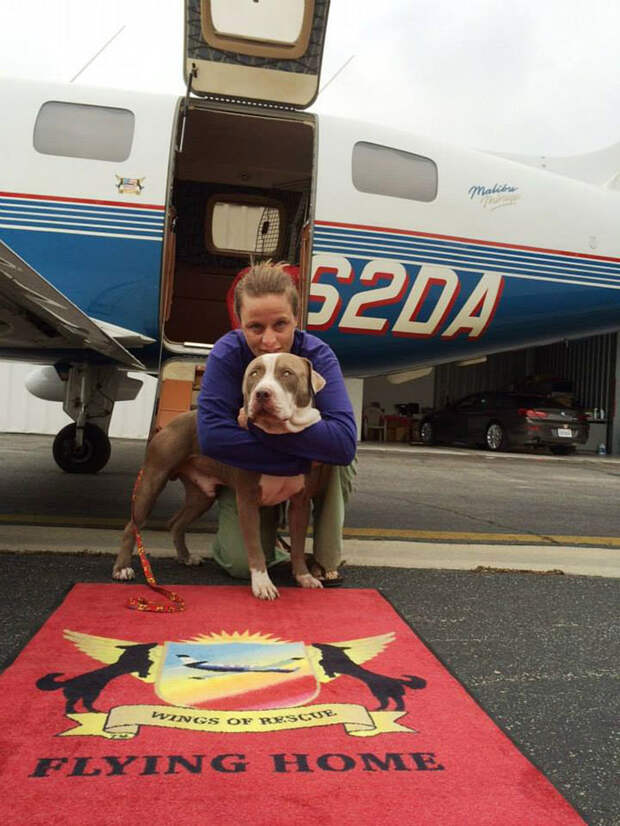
<point x="328" y="579"/>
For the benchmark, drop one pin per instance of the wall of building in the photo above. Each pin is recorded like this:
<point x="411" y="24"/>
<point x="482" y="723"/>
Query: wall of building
<point x="589" y="364"/>
<point x="614" y="435"/>
<point x="498" y="372"/>
<point x="21" y="412"/>
<point x="379" y="389"/>
<point x="355" y="389"/>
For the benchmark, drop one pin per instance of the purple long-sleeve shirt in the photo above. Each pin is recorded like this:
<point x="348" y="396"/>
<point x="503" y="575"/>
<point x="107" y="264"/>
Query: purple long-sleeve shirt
<point x="331" y="440"/>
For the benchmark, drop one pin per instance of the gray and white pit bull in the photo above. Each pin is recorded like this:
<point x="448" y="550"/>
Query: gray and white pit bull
<point x="278" y="390"/>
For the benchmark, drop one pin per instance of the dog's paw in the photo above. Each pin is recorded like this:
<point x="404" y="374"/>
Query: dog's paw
<point x="308" y="581"/>
<point x="190" y="559"/>
<point x="123" y="574"/>
<point x="262" y="586"/>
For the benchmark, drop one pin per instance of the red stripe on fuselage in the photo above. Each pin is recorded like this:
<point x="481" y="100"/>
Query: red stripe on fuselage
<point x="467" y="240"/>
<point x="63" y="199"/>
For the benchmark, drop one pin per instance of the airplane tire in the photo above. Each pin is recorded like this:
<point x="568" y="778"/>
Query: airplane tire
<point x="90" y="458"/>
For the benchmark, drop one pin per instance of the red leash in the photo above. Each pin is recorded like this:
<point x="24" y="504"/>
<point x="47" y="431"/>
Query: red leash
<point x="140" y="603"/>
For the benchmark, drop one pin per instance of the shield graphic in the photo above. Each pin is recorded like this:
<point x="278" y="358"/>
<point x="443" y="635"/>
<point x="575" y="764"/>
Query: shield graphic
<point x="236" y="675"/>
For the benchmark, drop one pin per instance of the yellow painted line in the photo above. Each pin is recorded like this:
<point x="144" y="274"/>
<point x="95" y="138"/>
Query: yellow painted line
<point x="350" y="533"/>
<point x="483" y="538"/>
<point x="67" y="521"/>
<point x="49" y="519"/>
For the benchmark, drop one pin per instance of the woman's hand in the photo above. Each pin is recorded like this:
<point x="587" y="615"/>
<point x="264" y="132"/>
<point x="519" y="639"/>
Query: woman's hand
<point x="242" y="419"/>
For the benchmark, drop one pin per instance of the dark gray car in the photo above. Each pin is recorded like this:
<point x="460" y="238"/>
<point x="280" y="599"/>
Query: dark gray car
<point x="499" y="421"/>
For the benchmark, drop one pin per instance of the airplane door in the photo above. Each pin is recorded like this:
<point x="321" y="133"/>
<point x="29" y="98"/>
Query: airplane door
<point x="259" y="50"/>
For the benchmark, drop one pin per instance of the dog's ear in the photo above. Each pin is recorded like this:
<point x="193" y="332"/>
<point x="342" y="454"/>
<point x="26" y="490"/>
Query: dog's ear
<point x="244" y="392"/>
<point x="246" y="395"/>
<point x="316" y="380"/>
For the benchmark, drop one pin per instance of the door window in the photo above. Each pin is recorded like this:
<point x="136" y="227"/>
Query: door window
<point x="259" y="21"/>
<point x="268" y="28"/>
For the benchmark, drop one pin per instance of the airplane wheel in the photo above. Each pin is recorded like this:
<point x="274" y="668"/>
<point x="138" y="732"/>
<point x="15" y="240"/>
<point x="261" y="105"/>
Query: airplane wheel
<point x="90" y="458"/>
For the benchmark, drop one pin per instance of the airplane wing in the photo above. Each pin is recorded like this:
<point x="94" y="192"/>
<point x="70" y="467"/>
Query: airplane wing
<point x="35" y="315"/>
<point x="129" y="338"/>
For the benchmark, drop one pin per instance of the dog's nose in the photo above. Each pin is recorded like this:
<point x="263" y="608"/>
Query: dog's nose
<point x="263" y="395"/>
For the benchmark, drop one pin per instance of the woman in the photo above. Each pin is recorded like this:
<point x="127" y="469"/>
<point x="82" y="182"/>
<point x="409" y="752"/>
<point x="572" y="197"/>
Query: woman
<point x="266" y="303"/>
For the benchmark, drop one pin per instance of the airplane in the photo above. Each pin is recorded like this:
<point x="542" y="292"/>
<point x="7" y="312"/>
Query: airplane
<point x="205" y="665"/>
<point x="125" y="218"/>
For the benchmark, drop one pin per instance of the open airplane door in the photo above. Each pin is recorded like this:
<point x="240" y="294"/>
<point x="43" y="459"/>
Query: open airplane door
<point x="242" y="174"/>
<point x="255" y="50"/>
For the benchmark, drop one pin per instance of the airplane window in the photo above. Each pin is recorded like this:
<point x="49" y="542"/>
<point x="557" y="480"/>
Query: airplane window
<point x="382" y="170"/>
<point x="77" y="130"/>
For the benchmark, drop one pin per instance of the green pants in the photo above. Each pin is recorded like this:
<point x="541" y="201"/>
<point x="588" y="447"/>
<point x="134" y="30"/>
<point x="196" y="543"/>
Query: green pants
<point x="327" y="516"/>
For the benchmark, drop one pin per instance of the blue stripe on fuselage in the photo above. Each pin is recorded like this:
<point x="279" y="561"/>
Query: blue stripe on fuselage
<point x="452" y="252"/>
<point x="111" y="279"/>
<point x="546" y="296"/>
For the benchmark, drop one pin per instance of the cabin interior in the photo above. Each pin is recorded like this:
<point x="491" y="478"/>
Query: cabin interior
<point x="241" y="188"/>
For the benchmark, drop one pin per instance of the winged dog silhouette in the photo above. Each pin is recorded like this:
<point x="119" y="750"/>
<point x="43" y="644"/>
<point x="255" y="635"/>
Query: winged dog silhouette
<point x="142" y="660"/>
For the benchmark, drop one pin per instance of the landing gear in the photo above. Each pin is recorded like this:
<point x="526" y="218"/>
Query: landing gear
<point x="88" y="393"/>
<point x="89" y="456"/>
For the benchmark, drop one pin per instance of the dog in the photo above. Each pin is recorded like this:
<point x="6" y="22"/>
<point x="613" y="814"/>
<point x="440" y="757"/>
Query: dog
<point x="87" y="687"/>
<point x="335" y="661"/>
<point x="278" y="391"/>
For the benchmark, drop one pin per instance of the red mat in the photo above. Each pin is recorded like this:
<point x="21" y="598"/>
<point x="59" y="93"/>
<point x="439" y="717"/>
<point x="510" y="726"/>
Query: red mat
<point x="320" y="707"/>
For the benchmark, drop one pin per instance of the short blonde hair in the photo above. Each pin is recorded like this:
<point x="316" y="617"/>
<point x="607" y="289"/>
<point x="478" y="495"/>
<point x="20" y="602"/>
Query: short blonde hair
<point x="266" y="278"/>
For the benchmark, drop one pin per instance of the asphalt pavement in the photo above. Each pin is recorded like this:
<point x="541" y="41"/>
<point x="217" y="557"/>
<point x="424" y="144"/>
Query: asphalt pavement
<point x="539" y="652"/>
<point x="537" y="648"/>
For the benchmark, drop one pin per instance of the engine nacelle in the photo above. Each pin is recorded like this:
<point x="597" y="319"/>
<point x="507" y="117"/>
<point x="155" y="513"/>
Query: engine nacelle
<point x="47" y="384"/>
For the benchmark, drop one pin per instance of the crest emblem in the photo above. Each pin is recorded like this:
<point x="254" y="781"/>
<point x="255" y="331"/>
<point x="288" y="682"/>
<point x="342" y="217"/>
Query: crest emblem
<point x="236" y="675"/>
<point x="230" y="682"/>
<point x="129" y="186"/>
